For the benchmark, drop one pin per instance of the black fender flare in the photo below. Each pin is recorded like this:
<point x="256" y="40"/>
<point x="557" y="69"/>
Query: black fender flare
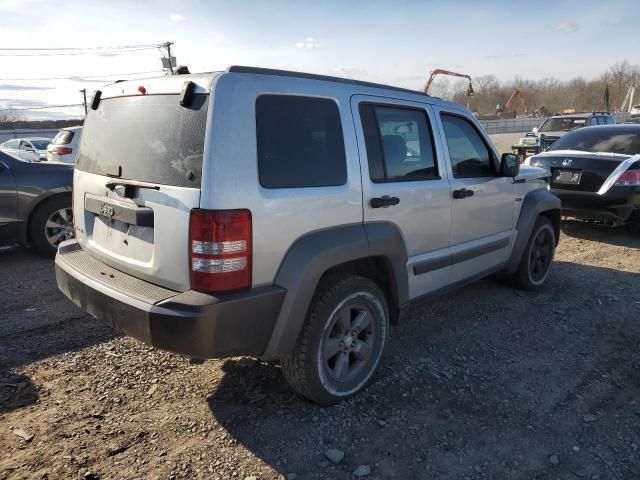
<point x="312" y="255"/>
<point x="534" y="203"/>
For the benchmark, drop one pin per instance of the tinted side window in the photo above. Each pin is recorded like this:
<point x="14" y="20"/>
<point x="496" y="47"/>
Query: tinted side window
<point x="399" y="143"/>
<point x="610" y="120"/>
<point x="470" y="156"/>
<point x="300" y="142"/>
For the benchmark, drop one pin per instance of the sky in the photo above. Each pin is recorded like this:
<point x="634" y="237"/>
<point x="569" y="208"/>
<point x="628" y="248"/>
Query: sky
<point x="394" y="42"/>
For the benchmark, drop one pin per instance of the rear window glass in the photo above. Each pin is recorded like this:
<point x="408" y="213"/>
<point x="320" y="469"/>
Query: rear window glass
<point x="63" y="137"/>
<point x="625" y="141"/>
<point x="150" y="138"/>
<point x="299" y="142"/>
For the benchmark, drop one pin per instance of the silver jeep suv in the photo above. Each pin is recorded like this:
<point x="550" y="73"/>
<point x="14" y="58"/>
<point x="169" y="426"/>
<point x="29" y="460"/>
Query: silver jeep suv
<point x="290" y="216"/>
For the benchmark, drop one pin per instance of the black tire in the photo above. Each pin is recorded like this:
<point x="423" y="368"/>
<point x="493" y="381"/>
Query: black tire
<point x="633" y="225"/>
<point x="339" y="300"/>
<point x="537" y="258"/>
<point x="41" y="234"/>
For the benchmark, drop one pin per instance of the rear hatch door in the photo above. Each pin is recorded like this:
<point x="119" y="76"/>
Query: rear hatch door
<point x="138" y="177"/>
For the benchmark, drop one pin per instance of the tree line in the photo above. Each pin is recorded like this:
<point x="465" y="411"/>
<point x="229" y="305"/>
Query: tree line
<point x="546" y="96"/>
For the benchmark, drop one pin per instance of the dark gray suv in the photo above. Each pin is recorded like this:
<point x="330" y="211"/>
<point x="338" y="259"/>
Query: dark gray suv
<point x="35" y="203"/>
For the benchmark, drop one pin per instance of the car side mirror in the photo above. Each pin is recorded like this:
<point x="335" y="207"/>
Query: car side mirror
<point x="509" y="165"/>
<point x="535" y="130"/>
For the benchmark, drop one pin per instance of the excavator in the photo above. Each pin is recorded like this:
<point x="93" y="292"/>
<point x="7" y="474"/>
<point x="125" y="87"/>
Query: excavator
<point x="438" y="71"/>
<point x="506" y="112"/>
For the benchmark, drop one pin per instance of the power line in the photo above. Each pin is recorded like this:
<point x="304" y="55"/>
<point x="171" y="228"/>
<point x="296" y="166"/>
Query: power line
<point x="40" y="108"/>
<point x="96" y="52"/>
<point x="71" y="77"/>
<point x="115" y="47"/>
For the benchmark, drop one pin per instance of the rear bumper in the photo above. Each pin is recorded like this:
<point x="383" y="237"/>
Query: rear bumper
<point x="615" y="206"/>
<point x="190" y="323"/>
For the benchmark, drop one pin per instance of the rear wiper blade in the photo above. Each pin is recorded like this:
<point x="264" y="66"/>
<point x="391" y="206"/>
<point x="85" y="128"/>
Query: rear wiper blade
<point x="129" y="186"/>
<point x="111" y="185"/>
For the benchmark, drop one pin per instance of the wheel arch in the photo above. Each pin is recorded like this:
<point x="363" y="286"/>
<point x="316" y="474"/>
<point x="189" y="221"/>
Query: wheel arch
<point x="535" y="203"/>
<point x="36" y="204"/>
<point x="375" y="251"/>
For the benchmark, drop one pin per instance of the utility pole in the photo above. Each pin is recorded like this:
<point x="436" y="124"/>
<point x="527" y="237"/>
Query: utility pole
<point x="167" y="45"/>
<point x="84" y="101"/>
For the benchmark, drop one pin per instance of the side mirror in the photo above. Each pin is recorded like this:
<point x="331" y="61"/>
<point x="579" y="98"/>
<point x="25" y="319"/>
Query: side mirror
<point x="535" y="130"/>
<point x="509" y="165"/>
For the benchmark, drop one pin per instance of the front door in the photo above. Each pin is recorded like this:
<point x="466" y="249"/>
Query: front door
<point x="404" y="182"/>
<point x="483" y="201"/>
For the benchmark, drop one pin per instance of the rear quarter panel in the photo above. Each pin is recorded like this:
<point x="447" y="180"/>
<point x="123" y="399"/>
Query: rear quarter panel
<point x="230" y="171"/>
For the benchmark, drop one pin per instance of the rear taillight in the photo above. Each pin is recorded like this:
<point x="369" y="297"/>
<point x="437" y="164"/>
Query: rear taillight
<point x="62" y="150"/>
<point x="220" y="250"/>
<point x="630" y="178"/>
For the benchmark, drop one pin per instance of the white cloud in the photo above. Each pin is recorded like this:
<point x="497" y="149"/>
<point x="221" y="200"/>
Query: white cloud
<point x="565" y="27"/>
<point x="614" y="20"/>
<point x="309" y="43"/>
<point x="348" y="71"/>
<point x="176" y="17"/>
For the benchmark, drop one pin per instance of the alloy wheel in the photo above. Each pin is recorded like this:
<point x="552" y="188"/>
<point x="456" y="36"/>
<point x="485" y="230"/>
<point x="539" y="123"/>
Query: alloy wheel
<point x="541" y="255"/>
<point x="348" y="346"/>
<point x="59" y="226"/>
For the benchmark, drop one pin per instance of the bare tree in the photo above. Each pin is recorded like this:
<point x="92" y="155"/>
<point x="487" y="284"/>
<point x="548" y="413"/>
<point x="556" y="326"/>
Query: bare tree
<point x="550" y="94"/>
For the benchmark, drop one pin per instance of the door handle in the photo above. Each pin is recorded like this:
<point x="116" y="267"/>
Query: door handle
<point x="462" y="193"/>
<point x="384" y="201"/>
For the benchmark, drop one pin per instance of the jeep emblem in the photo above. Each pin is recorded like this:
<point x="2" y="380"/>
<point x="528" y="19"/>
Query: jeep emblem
<point x="106" y="210"/>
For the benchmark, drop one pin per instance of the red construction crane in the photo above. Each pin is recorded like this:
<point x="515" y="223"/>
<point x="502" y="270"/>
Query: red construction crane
<point x="436" y="72"/>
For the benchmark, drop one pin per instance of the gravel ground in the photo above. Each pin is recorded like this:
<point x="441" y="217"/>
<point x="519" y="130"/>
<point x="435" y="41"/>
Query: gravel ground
<point x="484" y="383"/>
<point x="504" y="141"/>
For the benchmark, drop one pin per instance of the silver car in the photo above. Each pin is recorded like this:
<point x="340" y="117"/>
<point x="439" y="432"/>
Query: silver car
<point x="291" y="216"/>
<point x="32" y="149"/>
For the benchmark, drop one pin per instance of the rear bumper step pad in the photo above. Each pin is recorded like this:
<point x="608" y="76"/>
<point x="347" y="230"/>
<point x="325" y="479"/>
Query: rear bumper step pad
<point x="192" y="323"/>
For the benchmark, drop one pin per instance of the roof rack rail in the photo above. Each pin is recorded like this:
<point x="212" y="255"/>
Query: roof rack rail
<point x="313" y="76"/>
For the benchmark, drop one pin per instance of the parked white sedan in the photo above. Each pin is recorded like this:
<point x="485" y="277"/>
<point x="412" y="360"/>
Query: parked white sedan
<point x="33" y="149"/>
<point x="64" y="146"/>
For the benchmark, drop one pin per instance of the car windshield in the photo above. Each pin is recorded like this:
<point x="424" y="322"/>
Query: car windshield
<point x="40" y="144"/>
<point x="563" y="124"/>
<point x="622" y="141"/>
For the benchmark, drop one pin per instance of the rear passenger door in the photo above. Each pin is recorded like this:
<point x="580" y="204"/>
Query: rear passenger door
<point x="483" y="201"/>
<point x="404" y="182"/>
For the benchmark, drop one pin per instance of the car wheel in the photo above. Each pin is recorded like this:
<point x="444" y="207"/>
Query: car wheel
<point x="537" y="258"/>
<point x="51" y="224"/>
<point x="633" y="224"/>
<point x="341" y="342"/>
